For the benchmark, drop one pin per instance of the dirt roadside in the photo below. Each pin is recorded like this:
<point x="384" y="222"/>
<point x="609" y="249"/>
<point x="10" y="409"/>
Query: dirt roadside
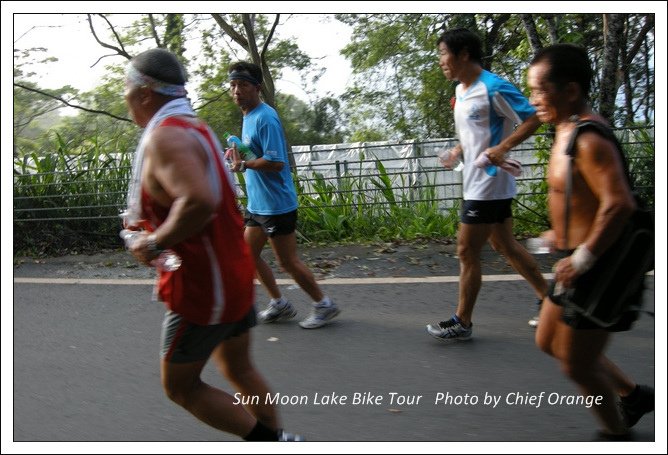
<point x="406" y="259"/>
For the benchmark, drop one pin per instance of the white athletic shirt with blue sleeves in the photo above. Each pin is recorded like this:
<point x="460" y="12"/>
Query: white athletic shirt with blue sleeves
<point x="269" y="193"/>
<point x="485" y="114"/>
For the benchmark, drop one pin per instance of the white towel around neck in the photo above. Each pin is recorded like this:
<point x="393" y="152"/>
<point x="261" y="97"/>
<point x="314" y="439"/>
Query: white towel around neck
<point x="179" y="106"/>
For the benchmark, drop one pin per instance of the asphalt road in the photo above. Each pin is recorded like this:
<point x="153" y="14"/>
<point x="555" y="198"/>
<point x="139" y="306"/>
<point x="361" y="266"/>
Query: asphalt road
<point x="85" y="358"/>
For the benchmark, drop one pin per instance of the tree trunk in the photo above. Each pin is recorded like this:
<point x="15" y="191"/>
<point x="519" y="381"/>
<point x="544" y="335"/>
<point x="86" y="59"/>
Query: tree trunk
<point x="174" y="40"/>
<point x="249" y="42"/>
<point x="491" y="38"/>
<point x="268" y="90"/>
<point x="532" y="33"/>
<point x="552" y="28"/>
<point x="629" y="114"/>
<point x="638" y="37"/>
<point x="647" y="99"/>
<point x="613" y="28"/>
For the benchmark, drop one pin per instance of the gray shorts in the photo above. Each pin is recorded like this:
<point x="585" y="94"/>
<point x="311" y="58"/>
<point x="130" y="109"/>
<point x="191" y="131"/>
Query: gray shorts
<point x="185" y="342"/>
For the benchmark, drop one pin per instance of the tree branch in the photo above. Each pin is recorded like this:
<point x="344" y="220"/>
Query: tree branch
<point x="119" y="51"/>
<point x="154" y="32"/>
<point x="270" y="36"/>
<point x="230" y="31"/>
<point x="640" y="38"/>
<point x="209" y="101"/>
<point x="252" y="43"/>
<point x="100" y="59"/>
<point x="67" y="103"/>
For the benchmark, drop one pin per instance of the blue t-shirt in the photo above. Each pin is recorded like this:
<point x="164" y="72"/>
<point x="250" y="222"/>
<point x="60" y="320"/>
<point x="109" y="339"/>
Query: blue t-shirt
<point x="485" y="114"/>
<point x="269" y="193"/>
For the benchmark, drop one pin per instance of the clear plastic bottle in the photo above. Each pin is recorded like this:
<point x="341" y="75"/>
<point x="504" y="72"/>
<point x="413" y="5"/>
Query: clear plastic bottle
<point x="444" y="158"/>
<point x="167" y="261"/>
<point x="245" y="152"/>
<point x="538" y="245"/>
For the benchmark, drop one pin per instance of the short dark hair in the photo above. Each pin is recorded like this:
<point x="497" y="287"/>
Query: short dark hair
<point x="247" y="67"/>
<point x="462" y="38"/>
<point x="160" y="64"/>
<point x="568" y="63"/>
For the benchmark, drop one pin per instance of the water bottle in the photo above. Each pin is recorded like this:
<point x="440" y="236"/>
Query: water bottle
<point x="245" y="152"/>
<point x="167" y="260"/>
<point x="491" y="170"/>
<point x="538" y="245"/>
<point x="444" y="158"/>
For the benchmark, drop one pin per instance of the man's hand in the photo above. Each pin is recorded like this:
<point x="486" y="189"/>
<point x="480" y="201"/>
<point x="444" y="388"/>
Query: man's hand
<point x="497" y="154"/>
<point x="449" y="157"/>
<point x="235" y="158"/>
<point x="140" y="248"/>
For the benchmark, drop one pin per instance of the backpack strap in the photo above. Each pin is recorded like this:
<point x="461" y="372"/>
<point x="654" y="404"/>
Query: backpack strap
<point x="607" y="133"/>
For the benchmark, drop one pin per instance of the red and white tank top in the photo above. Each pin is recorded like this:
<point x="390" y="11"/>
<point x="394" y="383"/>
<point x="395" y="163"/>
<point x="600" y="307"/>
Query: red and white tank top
<point x="215" y="281"/>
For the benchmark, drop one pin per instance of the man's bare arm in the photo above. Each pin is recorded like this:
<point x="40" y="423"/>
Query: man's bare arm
<point x="177" y="163"/>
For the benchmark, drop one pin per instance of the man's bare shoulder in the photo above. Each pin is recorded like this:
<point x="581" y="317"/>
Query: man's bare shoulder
<point x="593" y="147"/>
<point x="172" y="139"/>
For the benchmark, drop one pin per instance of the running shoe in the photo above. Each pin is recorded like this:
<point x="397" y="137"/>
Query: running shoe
<point x="452" y="329"/>
<point x="277" y="311"/>
<point x="320" y="316"/>
<point x="284" y="436"/>
<point x="533" y="322"/>
<point x="643" y="403"/>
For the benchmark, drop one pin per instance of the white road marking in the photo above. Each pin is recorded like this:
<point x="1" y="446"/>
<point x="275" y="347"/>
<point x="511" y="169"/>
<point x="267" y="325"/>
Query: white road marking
<point x="282" y="281"/>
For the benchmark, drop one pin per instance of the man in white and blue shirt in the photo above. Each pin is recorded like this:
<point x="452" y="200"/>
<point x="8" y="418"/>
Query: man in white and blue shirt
<point x="491" y="116"/>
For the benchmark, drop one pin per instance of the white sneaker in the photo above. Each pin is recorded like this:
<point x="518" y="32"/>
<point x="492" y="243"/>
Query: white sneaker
<point x="320" y="316"/>
<point x="278" y="311"/>
<point x="284" y="436"/>
<point x="533" y="322"/>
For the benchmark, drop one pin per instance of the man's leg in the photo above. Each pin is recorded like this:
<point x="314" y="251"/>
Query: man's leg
<point x="580" y="353"/>
<point x="256" y="238"/>
<point x="324" y="309"/>
<point x="503" y="241"/>
<point x="279" y="308"/>
<point x="470" y="240"/>
<point x="285" y="249"/>
<point x="182" y="384"/>
<point x="234" y="360"/>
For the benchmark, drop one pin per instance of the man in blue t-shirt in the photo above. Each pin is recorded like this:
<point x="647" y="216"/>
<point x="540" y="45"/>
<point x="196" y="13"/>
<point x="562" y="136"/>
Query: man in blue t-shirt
<point x="487" y="110"/>
<point x="271" y="211"/>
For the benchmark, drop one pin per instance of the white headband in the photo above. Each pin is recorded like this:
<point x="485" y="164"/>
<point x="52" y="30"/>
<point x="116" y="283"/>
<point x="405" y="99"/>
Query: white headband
<point x="136" y="77"/>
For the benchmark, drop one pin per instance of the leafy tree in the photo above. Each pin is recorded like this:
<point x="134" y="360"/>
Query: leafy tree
<point x="309" y="126"/>
<point x="399" y="89"/>
<point x="33" y="112"/>
<point x="207" y="70"/>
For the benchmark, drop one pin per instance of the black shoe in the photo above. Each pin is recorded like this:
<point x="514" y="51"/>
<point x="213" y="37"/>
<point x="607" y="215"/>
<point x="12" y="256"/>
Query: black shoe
<point x="632" y="409"/>
<point x="602" y="436"/>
